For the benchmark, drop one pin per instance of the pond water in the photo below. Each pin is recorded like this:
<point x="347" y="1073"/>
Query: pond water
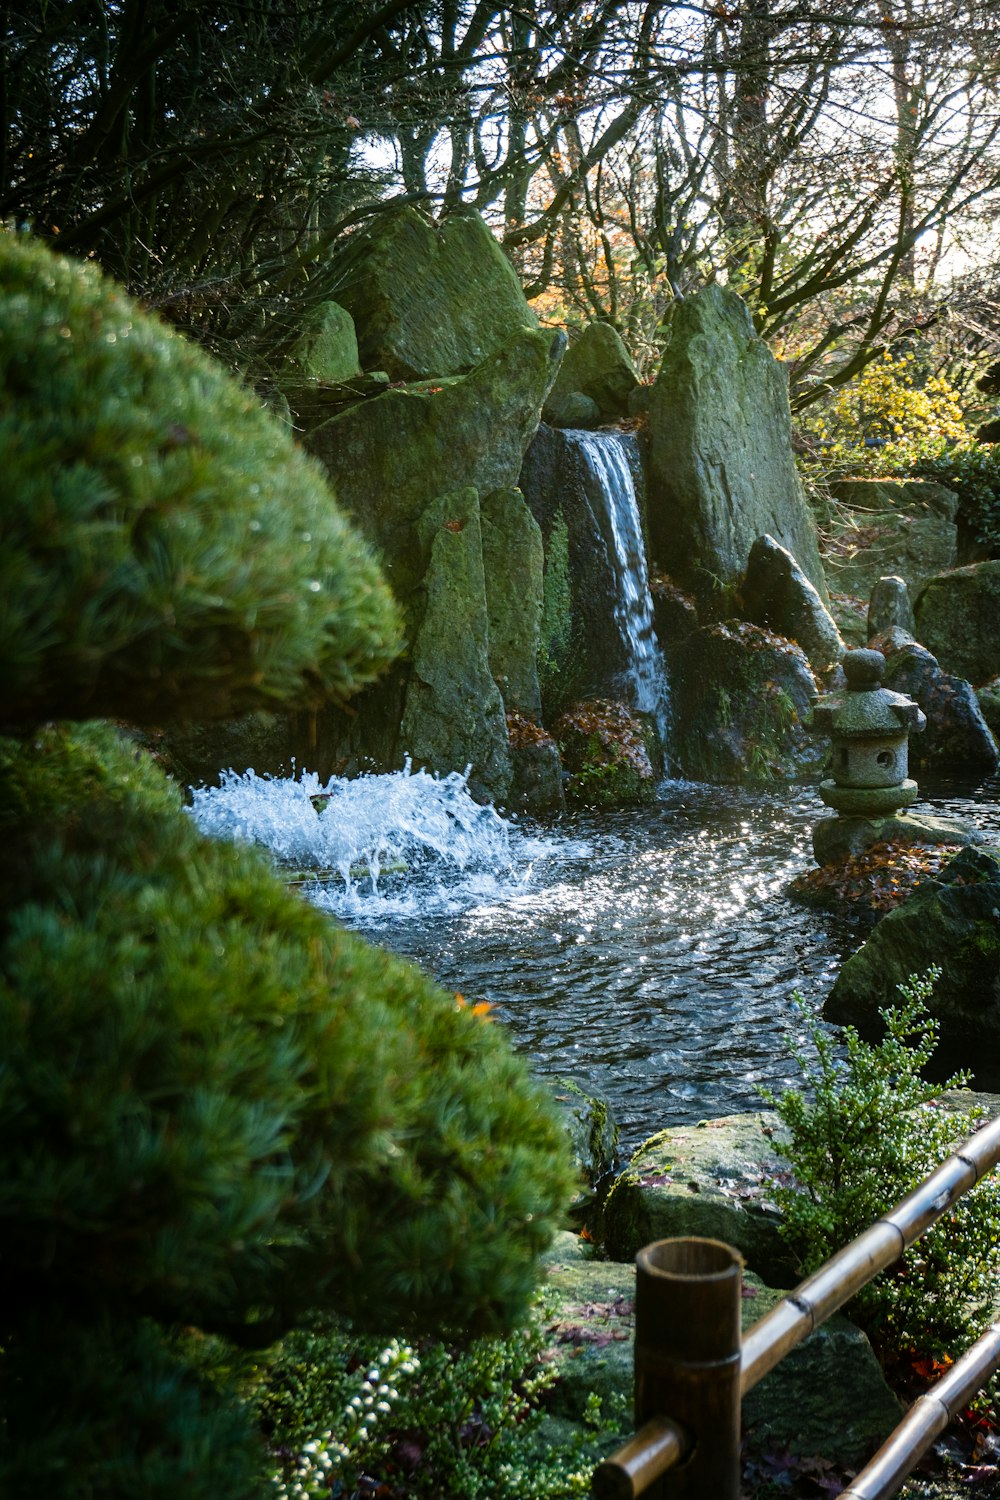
<point x="652" y="954"/>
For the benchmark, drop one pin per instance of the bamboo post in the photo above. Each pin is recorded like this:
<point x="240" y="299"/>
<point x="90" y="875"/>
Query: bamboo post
<point x="688" y="1297"/>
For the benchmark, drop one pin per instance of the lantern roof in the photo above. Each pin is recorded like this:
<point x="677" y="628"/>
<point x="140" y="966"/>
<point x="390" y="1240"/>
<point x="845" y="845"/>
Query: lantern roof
<point x="866" y="709"/>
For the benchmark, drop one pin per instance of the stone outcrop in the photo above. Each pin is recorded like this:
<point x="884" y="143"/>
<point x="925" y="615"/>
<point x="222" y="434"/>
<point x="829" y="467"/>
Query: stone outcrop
<point x="828" y="1397"/>
<point x="904" y="527"/>
<point x="598" y="367"/>
<point x="958" y="619"/>
<point x="709" y="1179"/>
<point x="953" y="922"/>
<point x="722" y="471"/>
<point x="742" y="700"/>
<point x="956" y="733"/>
<point x="777" y="593"/>
<point x="429" y="299"/>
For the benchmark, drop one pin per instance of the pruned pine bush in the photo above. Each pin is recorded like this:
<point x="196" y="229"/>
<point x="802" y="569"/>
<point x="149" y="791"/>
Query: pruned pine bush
<point x="863" y="1132"/>
<point x="218" y="1112"/>
<point x="165" y="550"/>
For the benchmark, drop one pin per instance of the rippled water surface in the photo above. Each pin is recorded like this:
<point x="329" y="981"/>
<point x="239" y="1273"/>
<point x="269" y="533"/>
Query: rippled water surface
<point x="650" y="953"/>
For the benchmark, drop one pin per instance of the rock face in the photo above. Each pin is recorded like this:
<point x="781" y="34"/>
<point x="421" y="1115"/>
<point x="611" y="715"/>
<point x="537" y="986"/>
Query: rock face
<point x="721" y="466"/>
<point x="958" y="618"/>
<point x="430" y="299"/>
<point x="904" y="527"/>
<point x="777" y="593"/>
<point x="429" y="475"/>
<point x="327" y="348"/>
<point x="597" y="366"/>
<point x="827" y="1397"/>
<point x="953" y="922"/>
<point x="742" y="699"/>
<point x="956" y="733"/>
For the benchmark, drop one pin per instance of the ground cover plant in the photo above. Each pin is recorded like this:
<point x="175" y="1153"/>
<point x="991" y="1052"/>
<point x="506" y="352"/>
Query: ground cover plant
<point x="217" y="1110"/>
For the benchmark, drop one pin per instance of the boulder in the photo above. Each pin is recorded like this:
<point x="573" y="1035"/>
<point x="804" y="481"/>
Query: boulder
<point x="988" y="698"/>
<point x="453" y="714"/>
<point x="956" y="733"/>
<point x="391" y="456"/>
<point x="599" y="366"/>
<point x="742" y="699"/>
<point x="958" y="618"/>
<point x="710" y="1179"/>
<point x="513" y="563"/>
<point x="430" y="299"/>
<point x="592" y="1128"/>
<point x="905" y="527"/>
<point x="327" y="348"/>
<point x="828" y="1396"/>
<point x="953" y="922"/>
<point x="603" y="748"/>
<point x="721" y="468"/>
<point x="890" y="607"/>
<point x="778" y="594"/>
<point x="572" y="409"/>
<point x="537" y="786"/>
<point x="839" y="838"/>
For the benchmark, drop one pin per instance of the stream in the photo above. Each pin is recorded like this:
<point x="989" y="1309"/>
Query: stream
<point x="652" y="954"/>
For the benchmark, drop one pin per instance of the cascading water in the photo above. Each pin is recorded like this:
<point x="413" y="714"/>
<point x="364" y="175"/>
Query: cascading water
<point x="616" y="506"/>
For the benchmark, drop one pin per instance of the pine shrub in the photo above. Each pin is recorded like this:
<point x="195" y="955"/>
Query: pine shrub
<point x="218" y="1111"/>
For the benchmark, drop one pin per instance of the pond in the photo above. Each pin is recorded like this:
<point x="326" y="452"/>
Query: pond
<point x="652" y="954"/>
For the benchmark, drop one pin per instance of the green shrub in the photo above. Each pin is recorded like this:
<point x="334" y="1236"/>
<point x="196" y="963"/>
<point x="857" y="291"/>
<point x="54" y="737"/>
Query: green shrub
<point x="863" y="1134"/>
<point x="972" y="470"/>
<point x="165" y="549"/>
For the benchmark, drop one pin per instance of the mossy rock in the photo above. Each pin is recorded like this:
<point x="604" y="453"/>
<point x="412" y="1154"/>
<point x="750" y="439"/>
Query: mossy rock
<point x="430" y="299"/>
<point x="513" y="566"/>
<point x="597" y="366"/>
<point x="603" y="749"/>
<point x="326" y="349"/>
<point x="828" y="1397"/>
<point x="958" y="619"/>
<point x="742" y="703"/>
<point x="711" y="1180"/>
<point x="988" y="697"/>
<point x="905" y="527"/>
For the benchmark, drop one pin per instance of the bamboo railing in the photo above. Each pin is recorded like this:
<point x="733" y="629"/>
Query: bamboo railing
<point x="691" y="1368"/>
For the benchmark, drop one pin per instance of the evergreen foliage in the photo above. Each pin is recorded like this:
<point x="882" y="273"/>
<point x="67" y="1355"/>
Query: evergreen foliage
<point x="165" y="549"/>
<point x="216" y="1109"/>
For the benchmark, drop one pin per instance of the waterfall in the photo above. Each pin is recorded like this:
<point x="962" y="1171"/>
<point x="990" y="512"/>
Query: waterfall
<point x="605" y="458"/>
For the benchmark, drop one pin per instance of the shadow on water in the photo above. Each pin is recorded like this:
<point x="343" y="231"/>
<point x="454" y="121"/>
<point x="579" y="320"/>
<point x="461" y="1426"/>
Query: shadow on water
<point x="652" y="953"/>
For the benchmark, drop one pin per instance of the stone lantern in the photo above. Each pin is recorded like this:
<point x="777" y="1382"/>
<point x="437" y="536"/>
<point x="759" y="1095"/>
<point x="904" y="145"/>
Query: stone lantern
<point x="869" y="727"/>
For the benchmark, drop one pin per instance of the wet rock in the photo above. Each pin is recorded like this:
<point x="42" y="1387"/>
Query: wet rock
<point x="604" y="750"/>
<point x="743" y="697"/>
<point x="710" y="1179"/>
<point x="537" y="785"/>
<point x="777" y="593"/>
<point x="721" y="468"/>
<point x="890" y="607"/>
<point x="956" y="733"/>
<point x="958" y="619"/>
<point x="904" y="527"/>
<point x="675" y="614"/>
<point x="592" y="1128"/>
<point x="598" y="366"/>
<point x="430" y="299"/>
<point x="953" y="922"/>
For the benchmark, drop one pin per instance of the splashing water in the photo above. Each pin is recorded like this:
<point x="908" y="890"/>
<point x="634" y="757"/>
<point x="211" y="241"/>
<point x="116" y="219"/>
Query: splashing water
<point x="348" y="840"/>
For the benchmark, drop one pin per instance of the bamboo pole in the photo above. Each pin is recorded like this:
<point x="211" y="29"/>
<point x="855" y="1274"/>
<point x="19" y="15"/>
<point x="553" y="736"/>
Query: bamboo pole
<point x="688" y="1299"/>
<point x="811" y="1303"/>
<point x="926" y="1419"/>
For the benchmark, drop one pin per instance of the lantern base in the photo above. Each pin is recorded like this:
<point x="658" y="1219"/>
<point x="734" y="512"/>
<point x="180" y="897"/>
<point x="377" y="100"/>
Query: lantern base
<point x="838" y="838"/>
<point x="868" y="801"/>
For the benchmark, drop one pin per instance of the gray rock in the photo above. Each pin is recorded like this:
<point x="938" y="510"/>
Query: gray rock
<point x="890" y="606"/>
<point x="778" y="594"/>
<point x="327" y="348"/>
<point x="905" y="527"/>
<point x="742" y="700"/>
<point x="721" y="468"/>
<point x="958" y="618"/>
<point x="572" y="409"/>
<point x="537" y="786"/>
<point x="956" y="733"/>
<point x="453" y="714"/>
<point x="828" y="1397"/>
<point x="710" y="1179"/>
<point x="430" y="299"/>
<point x="598" y="365"/>
<point x="513" y="564"/>
<point x="953" y="922"/>
<point x="838" y="838"/>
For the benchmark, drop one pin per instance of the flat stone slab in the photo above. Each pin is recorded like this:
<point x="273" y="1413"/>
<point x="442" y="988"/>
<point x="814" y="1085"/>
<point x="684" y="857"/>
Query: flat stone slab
<point x="711" y="1179"/>
<point x="828" y="1397"/>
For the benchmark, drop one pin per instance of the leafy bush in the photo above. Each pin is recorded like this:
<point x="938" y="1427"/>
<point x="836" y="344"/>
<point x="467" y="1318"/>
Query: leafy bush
<point x="429" y="1419"/>
<point x="972" y="470"/>
<point x="165" y="549"/>
<point x="863" y="1134"/>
